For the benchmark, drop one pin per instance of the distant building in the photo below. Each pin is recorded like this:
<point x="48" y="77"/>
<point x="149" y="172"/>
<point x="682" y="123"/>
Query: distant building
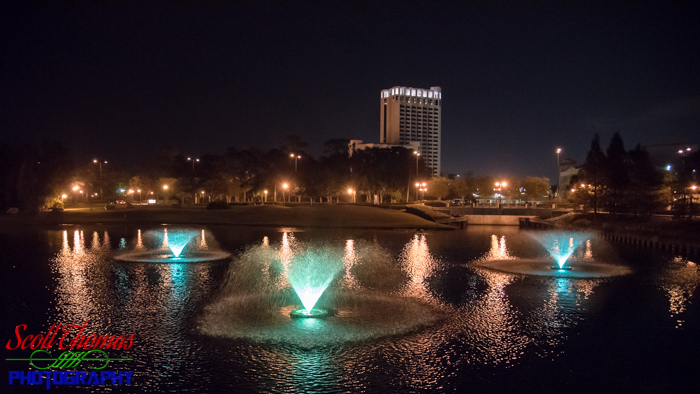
<point x="355" y="145"/>
<point x="567" y="170"/>
<point x="409" y="115"/>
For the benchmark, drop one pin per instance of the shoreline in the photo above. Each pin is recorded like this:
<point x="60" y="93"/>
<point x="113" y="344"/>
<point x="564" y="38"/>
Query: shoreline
<point x="304" y="216"/>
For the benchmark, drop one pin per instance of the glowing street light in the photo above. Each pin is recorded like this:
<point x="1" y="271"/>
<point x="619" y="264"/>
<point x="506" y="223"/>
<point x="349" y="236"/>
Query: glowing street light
<point x="558" y="172"/>
<point x="63" y="196"/>
<point x="193" y="161"/>
<point x="421" y="187"/>
<point x="99" y="162"/>
<point x="354" y="195"/>
<point x="285" y="186"/>
<point x="75" y="188"/>
<point x="415" y="152"/>
<point x="265" y="195"/>
<point x="295" y="157"/>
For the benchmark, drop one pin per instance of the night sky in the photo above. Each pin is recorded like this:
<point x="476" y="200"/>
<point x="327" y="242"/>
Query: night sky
<point x="518" y="80"/>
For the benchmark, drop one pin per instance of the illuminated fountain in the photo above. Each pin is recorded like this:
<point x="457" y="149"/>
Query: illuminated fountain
<point x="563" y="247"/>
<point x="360" y="289"/>
<point x="174" y="245"/>
<point x="310" y="273"/>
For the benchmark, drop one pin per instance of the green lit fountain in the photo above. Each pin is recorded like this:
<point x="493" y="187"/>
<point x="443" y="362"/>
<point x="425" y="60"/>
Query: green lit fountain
<point x="310" y="273"/>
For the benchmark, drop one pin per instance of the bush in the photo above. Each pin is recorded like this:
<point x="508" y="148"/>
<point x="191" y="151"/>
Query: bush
<point x="52" y="201"/>
<point x="218" y="205"/>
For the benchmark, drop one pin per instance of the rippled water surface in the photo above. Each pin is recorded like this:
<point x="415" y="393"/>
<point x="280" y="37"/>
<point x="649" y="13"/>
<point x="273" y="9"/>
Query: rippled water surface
<point x="412" y="312"/>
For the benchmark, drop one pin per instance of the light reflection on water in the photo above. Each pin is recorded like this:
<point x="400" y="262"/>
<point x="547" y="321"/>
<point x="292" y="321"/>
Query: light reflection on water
<point x="680" y="283"/>
<point x="502" y="319"/>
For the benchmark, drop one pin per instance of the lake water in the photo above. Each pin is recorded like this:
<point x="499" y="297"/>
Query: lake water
<point x="423" y="317"/>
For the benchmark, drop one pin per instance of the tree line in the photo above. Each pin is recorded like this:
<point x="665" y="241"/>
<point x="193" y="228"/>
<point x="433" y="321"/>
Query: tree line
<point x="47" y="175"/>
<point x="628" y="182"/>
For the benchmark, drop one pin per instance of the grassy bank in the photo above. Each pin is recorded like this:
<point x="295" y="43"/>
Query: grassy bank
<point x="320" y="215"/>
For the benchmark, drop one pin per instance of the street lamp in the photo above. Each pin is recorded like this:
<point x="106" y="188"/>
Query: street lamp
<point x="99" y="162"/>
<point x="354" y="194"/>
<point x="284" y="190"/>
<point x="139" y="190"/>
<point x="265" y="195"/>
<point x="193" y="160"/>
<point x="421" y="187"/>
<point x="295" y="157"/>
<point x="415" y="152"/>
<point x="558" y="172"/>
<point x="499" y="187"/>
<point x="165" y="193"/>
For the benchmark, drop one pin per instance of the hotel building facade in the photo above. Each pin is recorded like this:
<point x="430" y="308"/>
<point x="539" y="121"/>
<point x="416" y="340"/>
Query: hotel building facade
<point x="412" y="116"/>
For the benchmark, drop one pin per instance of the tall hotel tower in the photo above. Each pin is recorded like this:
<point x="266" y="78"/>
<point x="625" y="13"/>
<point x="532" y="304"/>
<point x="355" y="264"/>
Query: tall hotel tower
<point x="413" y="115"/>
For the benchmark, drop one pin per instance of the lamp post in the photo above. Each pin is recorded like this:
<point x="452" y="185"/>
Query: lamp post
<point x="165" y="193"/>
<point x="99" y="162"/>
<point x="193" y="161"/>
<point x="284" y="193"/>
<point x="681" y="178"/>
<point x="415" y="152"/>
<point x="265" y="195"/>
<point x="295" y="157"/>
<point x="499" y="187"/>
<point x="558" y="173"/>
<point x="354" y="194"/>
<point x="422" y="188"/>
<point x="140" y="196"/>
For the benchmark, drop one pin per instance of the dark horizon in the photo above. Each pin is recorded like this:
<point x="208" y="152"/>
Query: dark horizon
<point x="518" y="81"/>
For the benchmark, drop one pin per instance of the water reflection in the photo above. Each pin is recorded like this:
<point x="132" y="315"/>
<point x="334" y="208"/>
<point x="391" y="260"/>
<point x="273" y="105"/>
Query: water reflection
<point x="497" y="319"/>
<point x="89" y="284"/>
<point x="498" y="249"/>
<point x="419" y="264"/>
<point x="75" y="296"/>
<point x="680" y="281"/>
<point x="349" y="280"/>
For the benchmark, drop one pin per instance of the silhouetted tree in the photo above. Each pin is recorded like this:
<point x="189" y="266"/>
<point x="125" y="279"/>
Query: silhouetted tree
<point x="439" y="187"/>
<point x="593" y="175"/>
<point x="644" y="190"/>
<point x="535" y="187"/>
<point x="616" y="175"/>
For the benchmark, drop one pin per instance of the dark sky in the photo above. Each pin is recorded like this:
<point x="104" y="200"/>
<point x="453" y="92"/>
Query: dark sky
<point x="518" y="80"/>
